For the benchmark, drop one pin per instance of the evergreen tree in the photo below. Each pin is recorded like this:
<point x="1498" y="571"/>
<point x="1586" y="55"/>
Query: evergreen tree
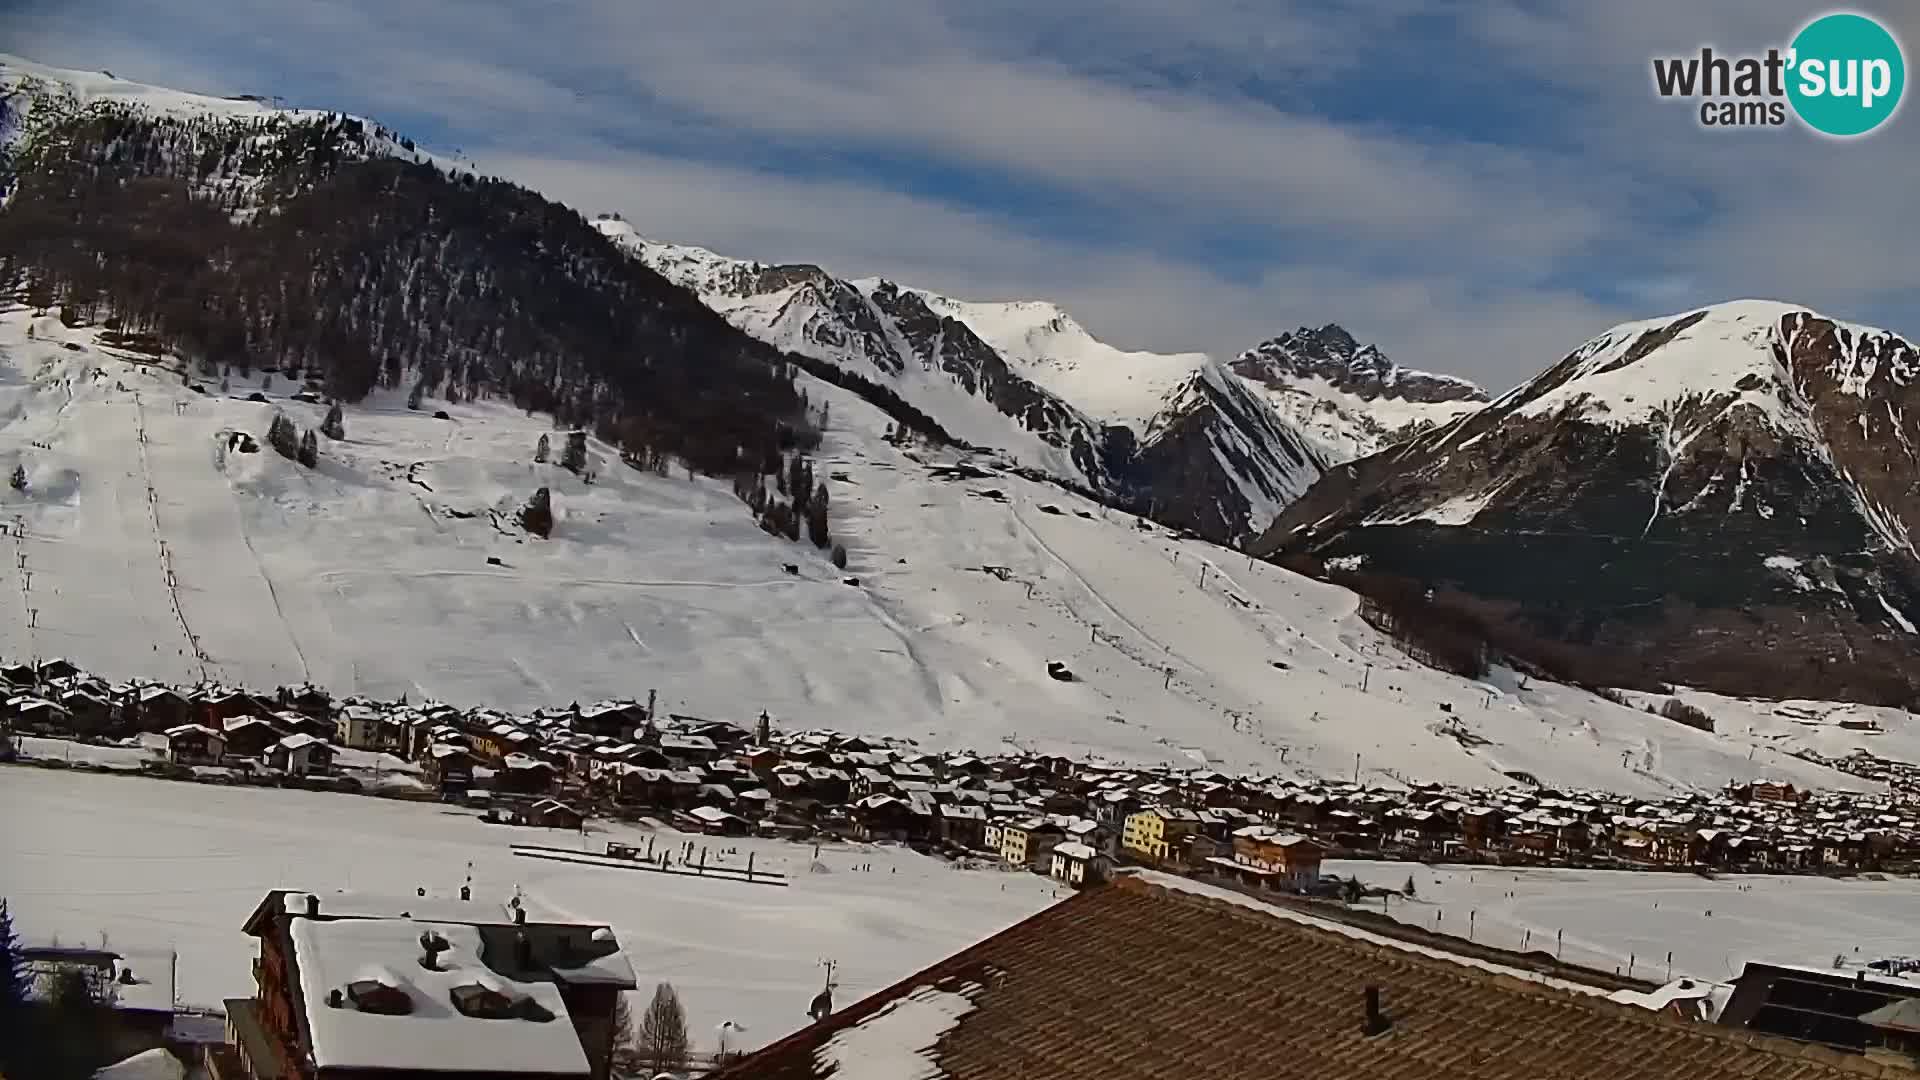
<point x="540" y="450"/>
<point x="537" y="516"/>
<point x="800" y="482"/>
<point x="839" y="556"/>
<point x="419" y="391"/>
<point x="283" y="437"/>
<point x="266" y="380"/>
<point x="626" y="1047"/>
<point x="574" y="457"/>
<point x="335" y="425"/>
<point x="817" y="517"/>
<point x="19" y="480"/>
<point x="13" y="967"/>
<point x="309" y="450"/>
<point x="663" y="1032"/>
<point x="1408" y="891"/>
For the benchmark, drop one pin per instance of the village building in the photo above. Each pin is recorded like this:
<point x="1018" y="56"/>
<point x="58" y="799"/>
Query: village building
<point x="188" y="744"/>
<point x="1078" y="864"/>
<point x="349" y="986"/>
<point x="1029" y="842"/>
<point x="249" y="736"/>
<point x="300" y="755"/>
<point x="1159" y="834"/>
<point x="1272" y="859"/>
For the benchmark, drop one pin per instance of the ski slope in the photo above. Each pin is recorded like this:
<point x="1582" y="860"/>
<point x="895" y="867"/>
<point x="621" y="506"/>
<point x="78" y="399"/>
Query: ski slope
<point x="157" y="866"/>
<point x="146" y="548"/>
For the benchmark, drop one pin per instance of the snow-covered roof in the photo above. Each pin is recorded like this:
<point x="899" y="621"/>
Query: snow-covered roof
<point x="435" y="1036"/>
<point x="1073" y="849"/>
<point x="300" y="739"/>
<point x="154" y="1064"/>
<point x="367" y="905"/>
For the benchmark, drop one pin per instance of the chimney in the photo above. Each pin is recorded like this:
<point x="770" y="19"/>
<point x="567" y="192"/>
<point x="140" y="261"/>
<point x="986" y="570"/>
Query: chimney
<point x="522" y="952"/>
<point x="335" y="998"/>
<point x="313" y="906"/>
<point x="519" y="916"/>
<point x="1375" y="1022"/>
<point x="466" y="892"/>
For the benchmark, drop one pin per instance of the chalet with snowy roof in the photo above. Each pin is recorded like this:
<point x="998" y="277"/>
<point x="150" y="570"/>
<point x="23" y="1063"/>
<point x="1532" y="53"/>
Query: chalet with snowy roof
<point x="712" y="820"/>
<point x="1150" y="976"/>
<point x="1270" y="859"/>
<point x="301" y="754"/>
<point x="307" y="700"/>
<point x="88" y="713"/>
<point x="249" y="736"/>
<point x="214" y="705"/>
<point x="36" y="713"/>
<point x="189" y="744"/>
<point x="448" y="768"/>
<point x="350" y="987"/>
<point x="297" y="723"/>
<point x="614" y="719"/>
<point x="56" y="668"/>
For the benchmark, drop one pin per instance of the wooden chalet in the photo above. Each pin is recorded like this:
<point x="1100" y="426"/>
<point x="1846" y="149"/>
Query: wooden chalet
<point x="301" y="755"/>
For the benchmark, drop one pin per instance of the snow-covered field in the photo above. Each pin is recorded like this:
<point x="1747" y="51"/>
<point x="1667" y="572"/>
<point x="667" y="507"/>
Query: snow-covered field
<point x="158" y="865"/>
<point x="1610" y="918"/>
<point x="371" y="574"/>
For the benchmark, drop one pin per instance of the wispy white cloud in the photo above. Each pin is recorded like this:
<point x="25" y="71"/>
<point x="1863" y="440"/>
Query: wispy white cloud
<point x="1476" y="186"/>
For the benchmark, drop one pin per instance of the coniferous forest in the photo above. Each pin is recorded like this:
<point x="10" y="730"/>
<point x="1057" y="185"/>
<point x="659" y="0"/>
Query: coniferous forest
<point x="294" y="246"/>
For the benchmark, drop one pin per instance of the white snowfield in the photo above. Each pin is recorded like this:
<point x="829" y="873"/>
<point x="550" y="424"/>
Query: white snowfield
<point x="178" y="557"/>
<point x="1612" y="919"/>
<point x="1345" y="426"/>
<point x="160" y="865"/>
<point x="1044" y="343"/>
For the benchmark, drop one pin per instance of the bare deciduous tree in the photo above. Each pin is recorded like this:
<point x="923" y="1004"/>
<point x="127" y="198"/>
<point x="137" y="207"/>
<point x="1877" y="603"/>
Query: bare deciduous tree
<point x="663" y="1032"/>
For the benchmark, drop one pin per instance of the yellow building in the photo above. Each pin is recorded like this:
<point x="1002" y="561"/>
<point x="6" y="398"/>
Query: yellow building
<point x="1028" y="843"/>
<point x="1158" y="833"/>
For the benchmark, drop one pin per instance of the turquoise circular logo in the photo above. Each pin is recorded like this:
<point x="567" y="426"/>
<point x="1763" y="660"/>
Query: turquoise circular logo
<point x="1847" y="74"/>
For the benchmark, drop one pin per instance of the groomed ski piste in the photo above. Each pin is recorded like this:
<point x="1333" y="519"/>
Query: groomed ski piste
<point x="147" y="544"/>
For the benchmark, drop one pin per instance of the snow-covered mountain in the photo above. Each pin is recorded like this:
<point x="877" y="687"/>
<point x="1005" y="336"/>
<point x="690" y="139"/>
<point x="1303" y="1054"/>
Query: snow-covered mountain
<point x="248" y="130"/>
<point x="1686" y="489"/>
<point x="1174" y="435"/>
<point x="1349" y="398"/>
<point x="151" y="542"/>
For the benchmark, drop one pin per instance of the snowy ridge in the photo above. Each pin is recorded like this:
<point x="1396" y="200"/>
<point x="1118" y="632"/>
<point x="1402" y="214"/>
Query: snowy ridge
<point x="34" y="97"/>
<point x="1023" y="378"/>
<point x="1727" y="351"/>
<point x="1046" y="344"/>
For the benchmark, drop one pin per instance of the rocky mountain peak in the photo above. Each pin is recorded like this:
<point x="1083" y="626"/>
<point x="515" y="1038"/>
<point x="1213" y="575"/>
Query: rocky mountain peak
<point x="1333" y="355"/>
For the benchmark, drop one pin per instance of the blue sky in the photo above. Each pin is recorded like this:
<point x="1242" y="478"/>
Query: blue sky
<point x="1478" y="186"/>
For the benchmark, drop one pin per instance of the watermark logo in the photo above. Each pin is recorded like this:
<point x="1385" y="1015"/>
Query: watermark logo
<point x="1843" y="75"/>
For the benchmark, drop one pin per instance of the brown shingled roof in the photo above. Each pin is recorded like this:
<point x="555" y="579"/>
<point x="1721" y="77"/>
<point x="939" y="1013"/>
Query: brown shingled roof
<point x="1133" y="980"/>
